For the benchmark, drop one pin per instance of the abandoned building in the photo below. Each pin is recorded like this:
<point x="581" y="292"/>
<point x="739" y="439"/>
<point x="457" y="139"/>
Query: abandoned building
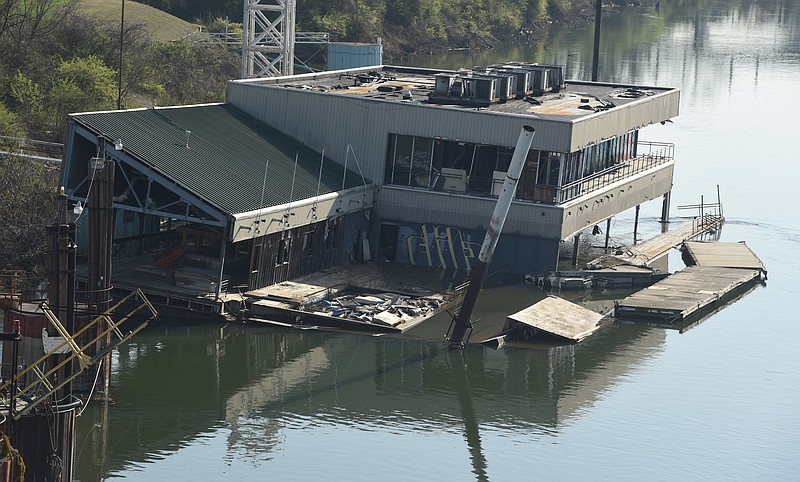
<point x="296" y="174"/>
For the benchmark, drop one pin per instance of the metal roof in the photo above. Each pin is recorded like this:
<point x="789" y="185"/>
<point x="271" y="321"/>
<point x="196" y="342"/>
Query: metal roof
<point x="220" y="153"/>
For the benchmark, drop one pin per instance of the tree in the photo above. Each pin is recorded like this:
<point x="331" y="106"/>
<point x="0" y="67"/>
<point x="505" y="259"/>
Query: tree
<point x="27" y="191"/>
<point x="9" y="125"/>
<point x="81" y="84"/>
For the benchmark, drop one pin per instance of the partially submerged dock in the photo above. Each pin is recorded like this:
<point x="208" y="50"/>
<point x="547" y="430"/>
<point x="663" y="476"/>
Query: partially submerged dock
<point x="368" y="297"/>
<point x="552" y="317"/>
<point x="718" y="271"/>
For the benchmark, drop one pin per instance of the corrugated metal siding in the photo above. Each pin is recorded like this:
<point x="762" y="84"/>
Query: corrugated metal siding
<point x="406" y="205"/>
<point x="348" y="55"/>
<point x="615" y="122"/>
<point x="330" y="120"/>
<point x="226" y="157"/>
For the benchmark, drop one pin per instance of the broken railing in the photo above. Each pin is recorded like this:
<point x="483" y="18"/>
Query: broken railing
<point x="709" y="218"/>
<point x="44" y="372"/>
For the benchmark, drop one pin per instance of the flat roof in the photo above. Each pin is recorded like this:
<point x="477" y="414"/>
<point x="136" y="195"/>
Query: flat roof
<point x="392" y="84"/>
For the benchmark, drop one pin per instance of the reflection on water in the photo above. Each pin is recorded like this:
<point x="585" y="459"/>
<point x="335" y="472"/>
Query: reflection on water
<point x="255" y="387"/>
<point x="720" y="401"/>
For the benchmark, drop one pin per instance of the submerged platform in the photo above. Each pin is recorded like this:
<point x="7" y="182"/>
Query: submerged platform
<point x="553" y="316"/>
<point x="370" y="297"/>
<point x="685" y="293"/>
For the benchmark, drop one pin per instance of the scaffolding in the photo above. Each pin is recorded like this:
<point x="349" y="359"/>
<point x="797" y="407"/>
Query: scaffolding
<point x="268" y="38"/>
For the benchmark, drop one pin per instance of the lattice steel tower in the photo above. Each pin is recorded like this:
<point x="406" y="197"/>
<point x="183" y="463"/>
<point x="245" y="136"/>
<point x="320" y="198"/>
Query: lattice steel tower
<point x="268" y="38"/>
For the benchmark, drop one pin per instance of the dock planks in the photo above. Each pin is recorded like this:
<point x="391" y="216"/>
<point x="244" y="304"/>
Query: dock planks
<point x="559" y="317"/>
<point x="684" y="293"/>
<point x="723" y="255"/>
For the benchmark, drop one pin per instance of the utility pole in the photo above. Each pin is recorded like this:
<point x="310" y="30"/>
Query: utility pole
<point x="462" y="323"/>
<point x="119" y="74"/>
<point x="598" y="8"/>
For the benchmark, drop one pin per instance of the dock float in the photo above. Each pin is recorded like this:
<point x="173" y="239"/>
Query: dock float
<point x="365" y="298"/>
<point x="721" y="255"/>
<point x="685" y="293"/>
<point x="552" y="316"/>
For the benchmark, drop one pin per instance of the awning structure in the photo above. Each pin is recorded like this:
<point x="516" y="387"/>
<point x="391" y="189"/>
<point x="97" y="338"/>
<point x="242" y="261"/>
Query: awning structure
<point x="210" y="164"/>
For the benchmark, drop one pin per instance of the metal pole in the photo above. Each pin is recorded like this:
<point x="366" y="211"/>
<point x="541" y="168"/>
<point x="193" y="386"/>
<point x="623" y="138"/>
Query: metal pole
<point x="463" y="321"/>
<point x="636" y="224"/>
<point x="575" y="244"/>
<point x="119" y="74"/>
<point x="595" y="60"/>
<point x="608" y="233"/>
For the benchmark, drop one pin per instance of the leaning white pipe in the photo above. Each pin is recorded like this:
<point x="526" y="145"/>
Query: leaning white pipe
<point x="507" y="194"/>
<point x="462" y="322"/>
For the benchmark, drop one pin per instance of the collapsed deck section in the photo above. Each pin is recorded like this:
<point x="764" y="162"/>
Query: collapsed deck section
<point x="557" y="317"/>
<point x="368" y="297"/>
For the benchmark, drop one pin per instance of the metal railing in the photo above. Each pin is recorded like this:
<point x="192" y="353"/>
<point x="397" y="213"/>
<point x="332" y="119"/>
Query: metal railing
<point x="457" y="181"/>
<point x="657" y="153"/>
<point x="709" y="219"/>
<point x="235" y="38"/>
<point x="32" y="148"/>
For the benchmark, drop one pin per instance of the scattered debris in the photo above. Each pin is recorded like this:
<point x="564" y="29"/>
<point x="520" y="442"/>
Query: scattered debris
<point x="390" y="309"/>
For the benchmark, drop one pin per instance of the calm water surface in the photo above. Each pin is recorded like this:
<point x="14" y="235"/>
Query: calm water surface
<point x="719" y="401"/>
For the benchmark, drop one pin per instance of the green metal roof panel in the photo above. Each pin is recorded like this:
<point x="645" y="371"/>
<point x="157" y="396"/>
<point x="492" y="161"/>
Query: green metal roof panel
<point x="226" y="156"/>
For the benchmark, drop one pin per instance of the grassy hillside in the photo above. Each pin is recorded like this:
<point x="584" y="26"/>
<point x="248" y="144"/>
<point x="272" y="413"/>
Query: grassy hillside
<point x="161" y="25"/>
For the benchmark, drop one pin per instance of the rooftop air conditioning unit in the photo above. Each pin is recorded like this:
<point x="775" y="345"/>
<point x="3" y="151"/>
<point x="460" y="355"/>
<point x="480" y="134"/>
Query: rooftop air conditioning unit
<point x="443" y="84"/>
<point x="486" y="89"/>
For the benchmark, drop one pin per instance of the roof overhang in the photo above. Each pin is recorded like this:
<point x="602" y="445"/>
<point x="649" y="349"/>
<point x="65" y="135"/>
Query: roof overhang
<point x="275" y="219"/>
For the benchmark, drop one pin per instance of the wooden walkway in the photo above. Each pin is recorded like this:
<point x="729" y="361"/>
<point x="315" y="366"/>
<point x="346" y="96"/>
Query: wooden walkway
<point x="685" y="293"/>
<point x="651" y="250"/>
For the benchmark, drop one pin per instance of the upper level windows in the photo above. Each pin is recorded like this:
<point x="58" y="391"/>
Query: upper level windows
<point x="478" y="169"/>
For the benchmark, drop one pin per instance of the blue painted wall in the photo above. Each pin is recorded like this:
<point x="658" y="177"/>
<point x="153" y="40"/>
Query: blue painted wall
<point x="441" y="246"/>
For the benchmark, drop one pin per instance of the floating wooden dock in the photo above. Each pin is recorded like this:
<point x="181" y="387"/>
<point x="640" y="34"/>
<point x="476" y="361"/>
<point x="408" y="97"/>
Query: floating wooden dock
<point x="557" y="317"/>
<point x="685" y="293"/>
<point x="722" y="255"/>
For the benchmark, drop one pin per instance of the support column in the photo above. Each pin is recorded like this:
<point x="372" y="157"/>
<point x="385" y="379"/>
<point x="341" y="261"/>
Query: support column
<point x="636" y="224"/>
<point x="665" y="207"/>
<point x="575" y="243"/>
<point x="101" y="231"/>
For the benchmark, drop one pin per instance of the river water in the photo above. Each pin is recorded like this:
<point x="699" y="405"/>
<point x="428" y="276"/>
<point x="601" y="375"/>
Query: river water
<point x="718" y="401"/>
